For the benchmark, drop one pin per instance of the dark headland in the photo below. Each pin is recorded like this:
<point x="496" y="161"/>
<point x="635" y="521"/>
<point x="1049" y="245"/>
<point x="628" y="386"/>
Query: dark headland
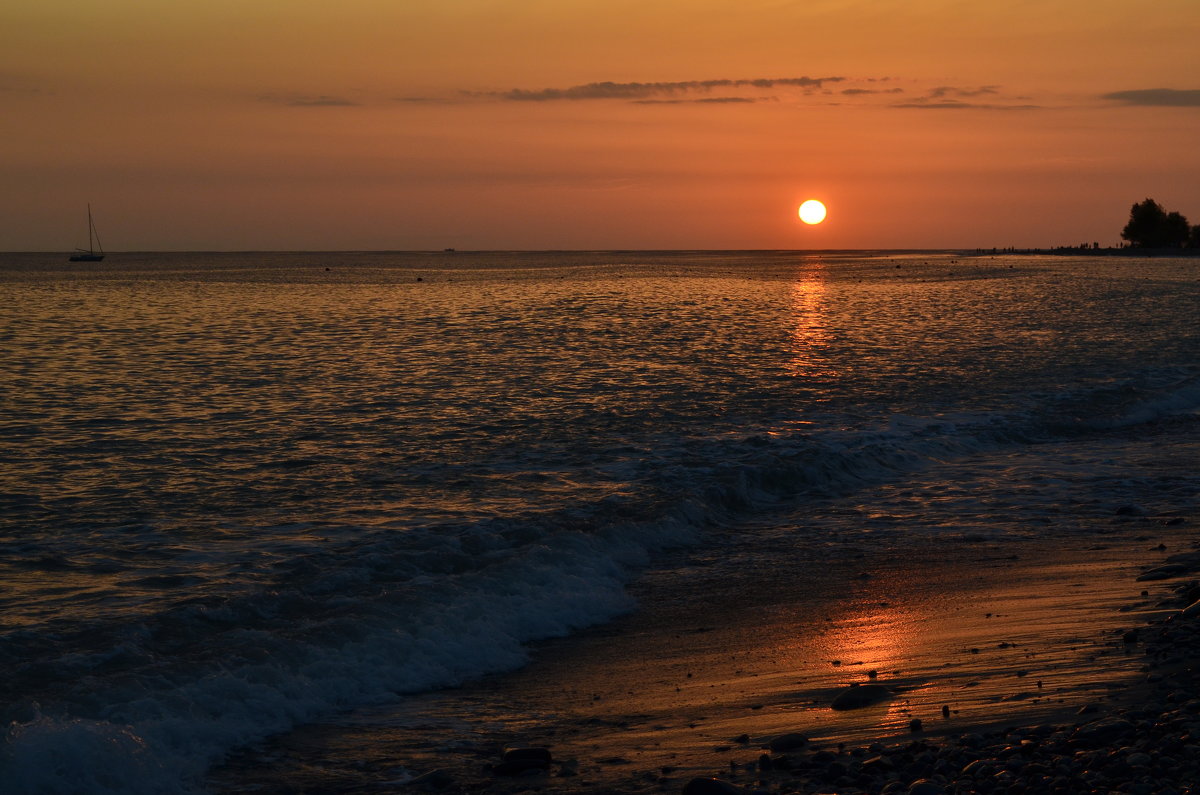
<point x="1151" y="231"/>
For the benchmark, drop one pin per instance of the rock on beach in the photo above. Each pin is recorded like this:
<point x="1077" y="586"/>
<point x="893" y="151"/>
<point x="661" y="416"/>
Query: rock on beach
<point x="858" y="696"/>
<point x="788" y="742"/>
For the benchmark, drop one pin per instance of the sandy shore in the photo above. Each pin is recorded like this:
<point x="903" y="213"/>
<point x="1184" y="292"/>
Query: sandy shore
<point x="968" y="636"/>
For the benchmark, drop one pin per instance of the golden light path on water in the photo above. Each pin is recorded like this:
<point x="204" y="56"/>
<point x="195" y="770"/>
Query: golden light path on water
<point x="810" y="332"/>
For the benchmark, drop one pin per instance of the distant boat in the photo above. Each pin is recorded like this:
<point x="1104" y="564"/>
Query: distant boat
<point x="90" y="255"/>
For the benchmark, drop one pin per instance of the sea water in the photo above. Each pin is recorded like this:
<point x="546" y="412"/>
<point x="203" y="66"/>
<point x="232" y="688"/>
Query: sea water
<point x="242" y="492"/>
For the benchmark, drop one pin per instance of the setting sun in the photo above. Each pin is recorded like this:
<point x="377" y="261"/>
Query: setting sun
<point x="812" y="212"/>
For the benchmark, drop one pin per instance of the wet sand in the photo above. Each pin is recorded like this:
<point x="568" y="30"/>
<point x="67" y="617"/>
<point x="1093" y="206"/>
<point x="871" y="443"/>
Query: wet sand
<point x="967" y="635"/>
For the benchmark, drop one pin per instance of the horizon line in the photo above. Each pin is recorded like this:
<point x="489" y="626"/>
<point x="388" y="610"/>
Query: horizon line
<point x="951" y="249"/>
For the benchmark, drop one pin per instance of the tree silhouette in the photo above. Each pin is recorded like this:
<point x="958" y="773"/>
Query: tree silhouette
<point x="1176" y="230"/>
<point x="1150" y="226"/>
<point x="1145" y="218"/>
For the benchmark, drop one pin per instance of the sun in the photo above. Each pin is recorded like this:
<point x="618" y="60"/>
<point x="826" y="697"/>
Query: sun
<point x="812" y="212"/>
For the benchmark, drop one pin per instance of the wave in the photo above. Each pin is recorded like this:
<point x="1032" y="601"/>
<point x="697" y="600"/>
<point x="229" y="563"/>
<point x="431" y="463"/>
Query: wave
<point x="148" y="707"/>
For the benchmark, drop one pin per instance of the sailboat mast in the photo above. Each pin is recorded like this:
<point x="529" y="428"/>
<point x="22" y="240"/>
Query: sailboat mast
<point x="92" y="230"/>
<point x="93" y="242"/>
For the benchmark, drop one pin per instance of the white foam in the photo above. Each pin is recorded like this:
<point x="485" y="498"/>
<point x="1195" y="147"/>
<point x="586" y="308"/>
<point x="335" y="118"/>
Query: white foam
<point x="162" y="730"/>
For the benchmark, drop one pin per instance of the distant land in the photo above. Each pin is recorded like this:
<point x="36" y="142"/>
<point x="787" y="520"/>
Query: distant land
<point x="1095" y="251"/>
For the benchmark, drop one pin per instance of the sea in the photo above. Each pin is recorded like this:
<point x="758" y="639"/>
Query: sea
<point x="242" y="492"/>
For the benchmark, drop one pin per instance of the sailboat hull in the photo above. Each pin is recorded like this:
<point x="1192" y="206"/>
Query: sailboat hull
<point x="85" y="257"/>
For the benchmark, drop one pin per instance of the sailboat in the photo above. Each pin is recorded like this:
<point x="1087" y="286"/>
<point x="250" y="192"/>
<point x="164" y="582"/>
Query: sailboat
<point x="90" y="255"/>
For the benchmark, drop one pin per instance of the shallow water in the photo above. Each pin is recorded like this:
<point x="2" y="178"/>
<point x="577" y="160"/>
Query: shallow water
<point x="243" y="491"/>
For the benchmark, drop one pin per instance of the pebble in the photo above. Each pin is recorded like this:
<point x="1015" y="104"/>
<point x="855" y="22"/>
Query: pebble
<point x="859" y="696"/>
<point x="1104" y="730"/>
<point x="788" y="742"/>
<point x="1164" y="572"/>
<point x="979" y="767"/>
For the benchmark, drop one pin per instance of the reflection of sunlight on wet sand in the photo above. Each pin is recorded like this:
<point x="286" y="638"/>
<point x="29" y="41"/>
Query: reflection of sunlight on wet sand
<point x="875" y="646"/>
<point x="809" y="333"/>
<point x="1026" y="646"/>
<point x="1007" y="648"/>
<point x="1001" y="635"/>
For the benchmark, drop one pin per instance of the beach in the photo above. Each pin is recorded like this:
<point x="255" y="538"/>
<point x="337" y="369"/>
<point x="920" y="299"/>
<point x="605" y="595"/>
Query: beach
<point x="984" y="641"/>
<point x="359" y="522"/>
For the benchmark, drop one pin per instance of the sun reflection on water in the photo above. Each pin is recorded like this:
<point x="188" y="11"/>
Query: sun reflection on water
<point x="810" y="334"/>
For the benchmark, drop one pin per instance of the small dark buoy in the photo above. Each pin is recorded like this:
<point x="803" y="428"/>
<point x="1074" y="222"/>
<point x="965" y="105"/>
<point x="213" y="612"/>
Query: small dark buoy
<point x="420" y="279"/>
<point x="914" y="725"/>
<point x="945" y="710"/>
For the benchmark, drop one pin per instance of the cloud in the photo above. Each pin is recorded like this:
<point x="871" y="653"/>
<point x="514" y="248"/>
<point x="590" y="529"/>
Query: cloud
<point x="725" y="100"/>
<point x="701" y="101"/>
<point x="307" y="100"/>
<point x="859" y="91"/>
<point x="948" y="98"/>
<point x="644" y="91"/>
<point x="954" y="91"/>
<point x="1159" y="97"/>
<point x="954" y="104"/>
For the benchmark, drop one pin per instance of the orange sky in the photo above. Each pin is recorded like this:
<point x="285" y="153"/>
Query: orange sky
<point x="534" y="124"/>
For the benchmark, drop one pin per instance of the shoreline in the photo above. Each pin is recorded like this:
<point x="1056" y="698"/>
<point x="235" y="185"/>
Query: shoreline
<point x="653" y="700"/>
<point x="1078" y="251"/>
